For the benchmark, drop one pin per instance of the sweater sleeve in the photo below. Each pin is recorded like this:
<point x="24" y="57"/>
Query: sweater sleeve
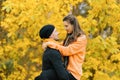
<point x="55" y="58"/>
<point x="71" y="49"/>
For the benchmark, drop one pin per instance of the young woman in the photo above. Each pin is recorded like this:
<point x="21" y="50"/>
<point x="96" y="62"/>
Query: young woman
<point x="74" y="46"/>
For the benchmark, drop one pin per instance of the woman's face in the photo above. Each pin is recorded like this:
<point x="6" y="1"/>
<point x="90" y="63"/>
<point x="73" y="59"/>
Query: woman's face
<point x="68" y="27"/>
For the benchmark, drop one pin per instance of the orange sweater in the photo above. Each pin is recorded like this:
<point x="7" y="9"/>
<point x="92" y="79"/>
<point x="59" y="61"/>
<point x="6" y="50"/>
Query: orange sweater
<point x="76" y="52"/>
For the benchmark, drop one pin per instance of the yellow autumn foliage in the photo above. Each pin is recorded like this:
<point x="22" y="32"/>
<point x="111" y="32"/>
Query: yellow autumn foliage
<point x="20" y="45"/>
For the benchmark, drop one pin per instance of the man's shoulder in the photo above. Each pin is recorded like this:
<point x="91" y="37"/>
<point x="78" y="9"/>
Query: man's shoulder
<point x="51" y="50"/>
<point x="52" y="53"/>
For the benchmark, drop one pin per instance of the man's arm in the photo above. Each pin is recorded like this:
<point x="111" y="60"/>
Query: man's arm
<point x="56" y="60"/>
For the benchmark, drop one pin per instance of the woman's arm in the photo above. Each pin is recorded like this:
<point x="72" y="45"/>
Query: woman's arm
<point x="71" y="49"/>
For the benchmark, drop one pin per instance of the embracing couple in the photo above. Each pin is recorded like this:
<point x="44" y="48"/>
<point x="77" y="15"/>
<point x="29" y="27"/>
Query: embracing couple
<point x="63" y="61"/>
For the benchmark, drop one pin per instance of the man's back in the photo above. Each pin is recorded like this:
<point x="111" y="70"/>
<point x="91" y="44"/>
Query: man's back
<point x="48" y="56"/>
<point x="52" y="65"/>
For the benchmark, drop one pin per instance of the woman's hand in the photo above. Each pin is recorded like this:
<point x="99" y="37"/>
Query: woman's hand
<point x="49" y="44"/>
<point x="44" y="45"/>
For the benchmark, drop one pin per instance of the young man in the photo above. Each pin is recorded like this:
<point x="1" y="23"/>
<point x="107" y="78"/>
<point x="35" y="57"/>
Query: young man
<point x="52" y="66"/>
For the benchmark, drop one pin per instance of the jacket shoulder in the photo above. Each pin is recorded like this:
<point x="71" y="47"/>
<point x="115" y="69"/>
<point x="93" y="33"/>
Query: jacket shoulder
<point x="52" y="51"/>
<point x="82" y="37"/>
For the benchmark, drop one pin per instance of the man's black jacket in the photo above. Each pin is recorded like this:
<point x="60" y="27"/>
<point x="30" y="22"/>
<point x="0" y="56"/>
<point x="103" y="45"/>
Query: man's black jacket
<point x="52" y="66"/>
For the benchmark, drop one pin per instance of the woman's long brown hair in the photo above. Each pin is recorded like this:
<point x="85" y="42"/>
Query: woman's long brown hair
<point x="77" y="31"/>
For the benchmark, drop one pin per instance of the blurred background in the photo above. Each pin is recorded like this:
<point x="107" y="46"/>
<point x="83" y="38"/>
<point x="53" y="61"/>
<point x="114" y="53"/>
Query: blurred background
<point x="20" y="45"/>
